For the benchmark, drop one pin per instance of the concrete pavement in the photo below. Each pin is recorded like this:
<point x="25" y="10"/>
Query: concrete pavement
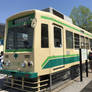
<point x="75" y="85"/>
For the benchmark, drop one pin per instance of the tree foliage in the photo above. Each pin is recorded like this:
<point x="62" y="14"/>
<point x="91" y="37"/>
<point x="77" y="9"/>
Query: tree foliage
<point x="82" y="17"/>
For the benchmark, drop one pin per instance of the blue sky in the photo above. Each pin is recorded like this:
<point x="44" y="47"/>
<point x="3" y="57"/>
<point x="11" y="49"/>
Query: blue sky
<point x="10" y="7"/>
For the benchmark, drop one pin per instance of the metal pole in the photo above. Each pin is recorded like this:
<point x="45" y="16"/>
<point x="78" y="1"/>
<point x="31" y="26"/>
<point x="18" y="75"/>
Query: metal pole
<point x="50" y="82"/>
<point x="86" y="68"/>
<point x="81" y="79"/>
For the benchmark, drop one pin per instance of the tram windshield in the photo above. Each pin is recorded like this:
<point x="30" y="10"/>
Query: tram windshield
<point x="19" y="38"/>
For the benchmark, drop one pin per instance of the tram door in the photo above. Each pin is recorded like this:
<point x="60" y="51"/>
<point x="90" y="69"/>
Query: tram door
<point x="58" y="50"/>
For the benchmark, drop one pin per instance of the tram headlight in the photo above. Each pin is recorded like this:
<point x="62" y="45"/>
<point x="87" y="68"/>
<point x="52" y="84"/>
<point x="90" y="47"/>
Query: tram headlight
<point x="24" y="64"/>
<point x="30" y="63"/>
<point x="27" y="63"/>
<point x="7" y="63"/>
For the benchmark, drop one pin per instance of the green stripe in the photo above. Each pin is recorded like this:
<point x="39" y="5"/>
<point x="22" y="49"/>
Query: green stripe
<point x="19" y="73"/>
<point x="52" y="19"/>
<point x="60" y="61"/>
<point x="53" y="57"/>
<point x="18" y="50"/>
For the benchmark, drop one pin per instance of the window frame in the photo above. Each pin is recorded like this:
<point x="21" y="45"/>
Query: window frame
<point x="55" y="26"/>
<point x="78" y="46"/>
<point x="67" y="46"/>
<point x="90" y="43"/>
<point x="47" y="36"/>
<point x="82" y="42"/>
<point x="86" y="43"/>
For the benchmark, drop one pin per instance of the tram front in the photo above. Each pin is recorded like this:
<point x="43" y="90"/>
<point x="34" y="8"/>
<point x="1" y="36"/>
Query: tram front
<point x="18" y="49"/>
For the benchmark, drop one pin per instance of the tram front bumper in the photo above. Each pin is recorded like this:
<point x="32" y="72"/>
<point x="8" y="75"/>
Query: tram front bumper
<point x="19" y="73"/>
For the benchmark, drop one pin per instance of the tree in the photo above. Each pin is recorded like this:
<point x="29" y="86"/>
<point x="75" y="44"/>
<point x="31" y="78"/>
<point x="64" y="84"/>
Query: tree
<point x="82" y="17"/>
<point x="2" y="29"/>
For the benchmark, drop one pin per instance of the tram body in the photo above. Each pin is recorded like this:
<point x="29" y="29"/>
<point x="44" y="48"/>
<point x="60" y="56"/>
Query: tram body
<point x="39" y="43"/>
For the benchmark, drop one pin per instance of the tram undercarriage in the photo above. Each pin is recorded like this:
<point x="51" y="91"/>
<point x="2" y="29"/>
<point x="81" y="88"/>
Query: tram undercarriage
<point x="42" y="83"/>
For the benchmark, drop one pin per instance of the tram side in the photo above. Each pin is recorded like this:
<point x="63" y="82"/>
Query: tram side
<point x="63" y="57"/>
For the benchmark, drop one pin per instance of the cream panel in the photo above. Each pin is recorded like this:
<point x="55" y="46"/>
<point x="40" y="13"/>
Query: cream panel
<point x="40" y="54"/>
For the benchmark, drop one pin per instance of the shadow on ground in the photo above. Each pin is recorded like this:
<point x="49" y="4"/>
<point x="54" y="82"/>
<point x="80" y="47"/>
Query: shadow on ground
<point x="88" y="88"/>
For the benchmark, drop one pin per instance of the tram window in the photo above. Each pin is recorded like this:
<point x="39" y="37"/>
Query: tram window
<point x="90" y="43"/>
<point x="69" y="39"/>
<point x="76" y="40"/>
<point x="20" y="38"/>
<point x="87" y="43"/>
<point x="57" y="37"/>
<point x="44" y="36"/>
<point x="82" y="42"/>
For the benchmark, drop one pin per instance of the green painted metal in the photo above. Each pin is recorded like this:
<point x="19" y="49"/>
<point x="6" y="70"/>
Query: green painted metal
<point x="60" y="61"/>
<point x="52" y="19"/>
<point x="19" y="73"/>
<point x="11" y="24"/>
<point x="54" y="57"/>
<point x="18" y="50"/>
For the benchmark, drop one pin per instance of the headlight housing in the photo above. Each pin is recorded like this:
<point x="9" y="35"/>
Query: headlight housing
<point x="24" y="64"/>
<point x="30" y="63"/>
<point x="27" y="63"/>
<point x="7" y="63"/>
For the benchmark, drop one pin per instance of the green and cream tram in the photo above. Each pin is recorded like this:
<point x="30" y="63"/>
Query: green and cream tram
<point x="39" y="43"/>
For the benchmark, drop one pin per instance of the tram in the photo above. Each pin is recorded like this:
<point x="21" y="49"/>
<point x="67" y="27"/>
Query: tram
<point x="39" y="44"/>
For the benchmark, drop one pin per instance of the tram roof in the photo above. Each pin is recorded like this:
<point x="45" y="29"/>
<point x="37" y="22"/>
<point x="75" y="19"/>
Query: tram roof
<point x="45" y="12"/>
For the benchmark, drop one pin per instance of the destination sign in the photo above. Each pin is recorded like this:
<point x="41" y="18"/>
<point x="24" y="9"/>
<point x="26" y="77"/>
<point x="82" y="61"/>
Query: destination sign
<point x="21" y="20"/>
